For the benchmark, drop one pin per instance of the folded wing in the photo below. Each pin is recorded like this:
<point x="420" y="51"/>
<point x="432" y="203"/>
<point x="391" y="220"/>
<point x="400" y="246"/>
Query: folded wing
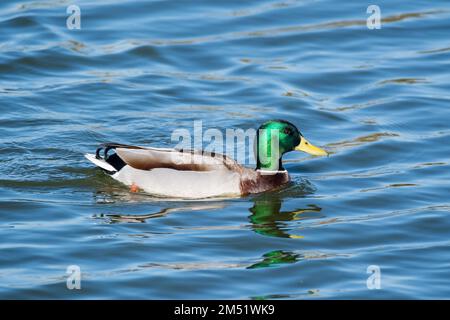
<point x="151" y="158"/>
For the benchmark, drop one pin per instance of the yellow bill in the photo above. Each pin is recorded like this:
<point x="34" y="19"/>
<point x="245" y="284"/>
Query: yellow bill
<point x="307" y="147"/>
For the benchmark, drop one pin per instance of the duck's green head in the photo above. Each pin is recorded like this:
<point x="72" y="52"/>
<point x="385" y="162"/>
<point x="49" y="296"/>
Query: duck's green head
<point x="275" y="138"/>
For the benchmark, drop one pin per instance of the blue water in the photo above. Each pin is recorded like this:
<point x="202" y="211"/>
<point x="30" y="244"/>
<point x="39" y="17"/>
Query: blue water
<point x="378" y="100"/>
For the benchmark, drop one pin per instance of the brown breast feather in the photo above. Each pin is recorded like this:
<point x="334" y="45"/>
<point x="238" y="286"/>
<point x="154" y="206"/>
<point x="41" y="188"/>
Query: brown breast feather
<point x="255" y="182"/>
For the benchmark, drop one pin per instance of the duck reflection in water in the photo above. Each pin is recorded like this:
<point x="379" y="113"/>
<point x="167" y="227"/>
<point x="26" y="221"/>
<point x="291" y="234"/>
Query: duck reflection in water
<point x="275" y="258"/>
<point x="268" y="219"/>
<point x="141" y="218"/>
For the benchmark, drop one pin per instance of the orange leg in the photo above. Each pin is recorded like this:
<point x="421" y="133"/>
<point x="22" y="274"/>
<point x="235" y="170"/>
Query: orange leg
<point x="134" y="188"/>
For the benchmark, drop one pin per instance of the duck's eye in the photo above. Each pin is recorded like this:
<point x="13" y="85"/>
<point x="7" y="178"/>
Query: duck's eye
<point x="287" y="131"/>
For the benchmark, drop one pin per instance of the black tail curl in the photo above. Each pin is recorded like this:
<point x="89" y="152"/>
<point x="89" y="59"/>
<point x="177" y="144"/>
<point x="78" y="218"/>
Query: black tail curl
<point x="112" y="159"/>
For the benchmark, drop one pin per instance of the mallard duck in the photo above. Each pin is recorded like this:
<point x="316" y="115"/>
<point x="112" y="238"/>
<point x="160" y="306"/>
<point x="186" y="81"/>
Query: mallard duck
<point x="195" y="174"/>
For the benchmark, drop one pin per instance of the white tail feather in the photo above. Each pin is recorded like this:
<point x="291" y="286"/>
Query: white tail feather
<point x="100" y="162"/>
